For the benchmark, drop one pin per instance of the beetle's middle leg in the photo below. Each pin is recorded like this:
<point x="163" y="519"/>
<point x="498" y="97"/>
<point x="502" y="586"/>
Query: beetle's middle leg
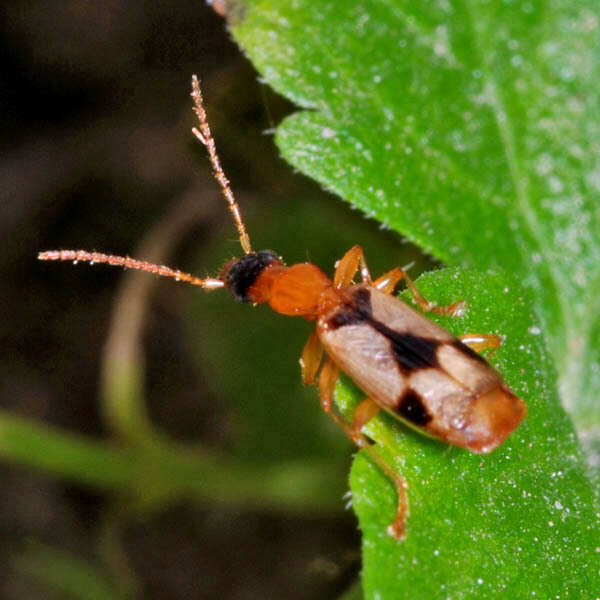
<point x="388" y="282"/>
<point x="310" y="359"/>
<point x="365" y="411"/>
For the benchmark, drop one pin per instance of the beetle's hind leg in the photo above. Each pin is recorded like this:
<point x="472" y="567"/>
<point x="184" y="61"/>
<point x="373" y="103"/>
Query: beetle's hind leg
<point x="482" y="341"/>
<point x="388" y="281"/>
<point x="365" y="411"/>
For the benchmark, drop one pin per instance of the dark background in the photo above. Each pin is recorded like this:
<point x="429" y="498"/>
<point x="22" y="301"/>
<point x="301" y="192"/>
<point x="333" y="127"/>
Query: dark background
<point x="97" y="154"/>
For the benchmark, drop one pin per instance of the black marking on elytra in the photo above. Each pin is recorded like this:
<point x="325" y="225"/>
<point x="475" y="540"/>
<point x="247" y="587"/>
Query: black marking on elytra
<point x="357" y="311"/>
<point x="412" y="352"/>
<point x="345" y="316"/>
<point x="244" y="272"/>
<point x="411" y="408"/>
<point x="469" y="351"/>
<point x="362" y="301"/>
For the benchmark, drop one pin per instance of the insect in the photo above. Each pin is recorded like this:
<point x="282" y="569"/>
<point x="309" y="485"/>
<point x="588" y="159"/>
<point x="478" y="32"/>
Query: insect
<point x="406" y="365"/>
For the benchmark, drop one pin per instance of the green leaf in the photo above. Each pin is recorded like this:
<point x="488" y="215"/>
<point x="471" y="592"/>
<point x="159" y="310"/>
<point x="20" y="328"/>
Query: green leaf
<point x="470" y="127"/>
<point x="518" y="521"/>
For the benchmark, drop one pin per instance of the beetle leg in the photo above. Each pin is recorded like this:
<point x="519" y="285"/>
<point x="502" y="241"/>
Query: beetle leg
<point x="482" y="341"/>
<point x="388" y="281"/>
<point x="364" y="412"/>
<point x="311" y="357"/>
<point x="456" y="309"/>
<point x="395" y="529"/>
<point x="346" y="268"/>
<point x="327" y="380"/>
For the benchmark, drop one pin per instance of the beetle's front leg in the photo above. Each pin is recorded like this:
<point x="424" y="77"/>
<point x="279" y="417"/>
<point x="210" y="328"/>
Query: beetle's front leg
<point x="348" y="265"/>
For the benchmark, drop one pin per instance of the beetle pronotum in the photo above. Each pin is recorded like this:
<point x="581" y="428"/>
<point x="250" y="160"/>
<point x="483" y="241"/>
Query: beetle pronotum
<point x="406" y="365"/>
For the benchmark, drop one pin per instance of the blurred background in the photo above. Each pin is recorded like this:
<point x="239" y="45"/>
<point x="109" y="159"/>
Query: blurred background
<point x="156" y="440"/>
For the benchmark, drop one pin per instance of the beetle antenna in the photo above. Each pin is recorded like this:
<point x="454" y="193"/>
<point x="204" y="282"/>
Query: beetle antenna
<point x="129" y="263"/>
<point x="205" y="136"/>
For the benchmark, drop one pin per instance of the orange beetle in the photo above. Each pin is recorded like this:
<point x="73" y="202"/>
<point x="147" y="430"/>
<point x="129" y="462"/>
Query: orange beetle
<point x="405" y="364"/>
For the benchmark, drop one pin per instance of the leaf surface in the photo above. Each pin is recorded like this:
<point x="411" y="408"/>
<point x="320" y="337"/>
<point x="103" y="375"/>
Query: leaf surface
<point x="517" y="521"/>
<point x="470" y="127"/>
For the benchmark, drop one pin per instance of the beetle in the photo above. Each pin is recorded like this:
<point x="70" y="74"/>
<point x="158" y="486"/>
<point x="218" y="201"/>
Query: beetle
<point x="407" y="365"/>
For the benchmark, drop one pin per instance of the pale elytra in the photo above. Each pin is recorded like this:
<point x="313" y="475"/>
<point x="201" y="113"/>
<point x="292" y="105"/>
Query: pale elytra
<point x="405" y="364"/>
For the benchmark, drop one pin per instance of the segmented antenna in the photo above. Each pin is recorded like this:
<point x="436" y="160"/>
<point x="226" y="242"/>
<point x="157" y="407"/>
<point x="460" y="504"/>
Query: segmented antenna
<point x="129" y="263"/>
<point x="205" y="136"/>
